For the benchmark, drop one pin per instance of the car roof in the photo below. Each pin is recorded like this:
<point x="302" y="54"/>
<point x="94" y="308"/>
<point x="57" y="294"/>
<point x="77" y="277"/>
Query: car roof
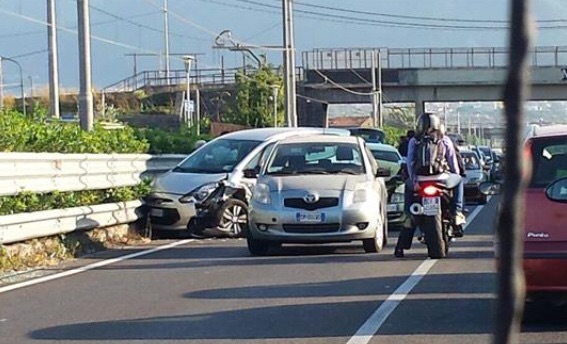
<point x="321" y="138"/>
<point x="381" y="146"/>
<point x="467" y="151"/>
<point x="263" y="134"/>
<point x="551" y="130"/>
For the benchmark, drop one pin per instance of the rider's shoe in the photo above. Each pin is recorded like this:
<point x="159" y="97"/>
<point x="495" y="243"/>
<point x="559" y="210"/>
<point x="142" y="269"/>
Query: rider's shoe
<point x="460" y="219"/>
<point x="398" y="253"/>
<point x="458" y="232"/>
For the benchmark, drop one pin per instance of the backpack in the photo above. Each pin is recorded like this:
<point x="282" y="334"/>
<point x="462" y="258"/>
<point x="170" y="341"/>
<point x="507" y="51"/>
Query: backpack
<point x="429" y="158"/>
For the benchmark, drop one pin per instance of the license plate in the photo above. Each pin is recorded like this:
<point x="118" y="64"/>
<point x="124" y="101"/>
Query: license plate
<point x="392" y="208"/>
<point x="156" y="212"/>
<point x="431" y="206"/>
<point x="310" y="217"/>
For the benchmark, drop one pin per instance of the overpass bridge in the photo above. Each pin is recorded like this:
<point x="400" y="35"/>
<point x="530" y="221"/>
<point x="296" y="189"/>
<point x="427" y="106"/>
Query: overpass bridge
<point x="414" y="75"/>
<point x="343" y="76"/>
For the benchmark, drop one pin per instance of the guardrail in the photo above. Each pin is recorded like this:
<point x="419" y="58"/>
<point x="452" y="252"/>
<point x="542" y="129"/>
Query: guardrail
<point x="46" y="172"/>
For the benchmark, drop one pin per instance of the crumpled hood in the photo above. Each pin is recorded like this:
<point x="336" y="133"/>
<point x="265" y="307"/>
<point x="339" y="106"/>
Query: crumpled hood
<point x="181" y="183"/>
<point x="313" y="182"/>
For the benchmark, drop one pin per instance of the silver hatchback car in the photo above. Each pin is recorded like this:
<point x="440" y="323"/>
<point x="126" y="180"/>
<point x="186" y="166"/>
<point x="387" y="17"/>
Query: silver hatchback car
<point x="319" y="189"/>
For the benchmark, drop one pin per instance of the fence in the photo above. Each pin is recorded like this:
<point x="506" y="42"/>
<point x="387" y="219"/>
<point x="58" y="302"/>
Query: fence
<point x="46" y="172"/>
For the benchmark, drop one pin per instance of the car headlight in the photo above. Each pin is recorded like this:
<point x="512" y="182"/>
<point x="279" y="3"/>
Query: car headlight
<point x="397" y="198"/>
<point x="262" y="193"/>
<point x="199" y="194"/>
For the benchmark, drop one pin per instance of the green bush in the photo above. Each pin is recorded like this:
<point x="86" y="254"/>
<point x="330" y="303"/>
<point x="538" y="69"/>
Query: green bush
<point x="30" y="202"/>
<point x="393" y="135"/>
<point x="38" y="134"/>
<point x="162" y="141"/>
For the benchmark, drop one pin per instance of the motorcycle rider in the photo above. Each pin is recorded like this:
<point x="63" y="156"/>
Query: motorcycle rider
<point x="429" y="124"/>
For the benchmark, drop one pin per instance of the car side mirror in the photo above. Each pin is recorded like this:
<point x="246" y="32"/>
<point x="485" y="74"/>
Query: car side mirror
<point x="557" y="191"/>
<point x="490" y="188"/>
<point x="250" y="173"/>
<point x="383" y="172"/>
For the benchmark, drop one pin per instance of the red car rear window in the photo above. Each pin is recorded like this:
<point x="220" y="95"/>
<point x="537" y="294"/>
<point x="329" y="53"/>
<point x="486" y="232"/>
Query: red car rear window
<point x="549" y="160"/>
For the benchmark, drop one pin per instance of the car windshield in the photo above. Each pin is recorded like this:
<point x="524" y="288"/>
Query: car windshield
<point x="385" y="155"/>
<point x="470" y="161"/>
<point x="549" y="161"/>
<point x="485" y="151"/>
<point x="219" y="156"/>
<point x="316" y="158"/>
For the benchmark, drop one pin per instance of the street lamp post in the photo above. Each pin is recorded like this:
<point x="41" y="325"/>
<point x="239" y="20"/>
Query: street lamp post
<point x="275" y="89"/>
<point x="23" y="94"/>
<point x="188" y="60"/>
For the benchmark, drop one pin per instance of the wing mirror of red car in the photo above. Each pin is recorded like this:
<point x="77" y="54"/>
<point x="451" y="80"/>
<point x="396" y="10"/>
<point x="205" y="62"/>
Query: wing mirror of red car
<point x="490" y="188"/>
<point x="557" y="191"/>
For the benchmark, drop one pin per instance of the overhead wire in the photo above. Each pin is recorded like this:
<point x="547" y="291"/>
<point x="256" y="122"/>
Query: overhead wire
<point x="209" y="31"/>
<point x="97" y="23"/>
<point x="385" y="23"/>
<point x="31" y="53"/>
<point x="336" y="84"/>
<point x="422" y="18"/>
<point x="147" y="27"/>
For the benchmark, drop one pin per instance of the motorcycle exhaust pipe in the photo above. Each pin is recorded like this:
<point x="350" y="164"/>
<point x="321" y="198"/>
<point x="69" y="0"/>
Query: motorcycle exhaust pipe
<point x="416" y="209"/>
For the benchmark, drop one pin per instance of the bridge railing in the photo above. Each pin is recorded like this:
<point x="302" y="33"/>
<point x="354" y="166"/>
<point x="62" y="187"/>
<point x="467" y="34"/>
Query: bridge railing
<point x="201" y="77"/>
<point x="361" y="58"/>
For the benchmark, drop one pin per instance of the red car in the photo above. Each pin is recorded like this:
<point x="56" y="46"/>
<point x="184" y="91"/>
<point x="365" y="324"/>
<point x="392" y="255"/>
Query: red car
<point x="545" y="232"/>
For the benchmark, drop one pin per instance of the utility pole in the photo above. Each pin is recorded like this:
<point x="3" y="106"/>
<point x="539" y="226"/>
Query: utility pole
<point x="198" y="110"/>
<point x="275" y="89"/>
<point x="374" y="91"/>
<point x="166" y="38"/>
<point x="53" y="60"/>
<point x="30" y="78"/>
<point x="1" y="86"/>
<point x="85" y="91"/>
<point x="380" y="103"/>
<point x="289" y="64"/>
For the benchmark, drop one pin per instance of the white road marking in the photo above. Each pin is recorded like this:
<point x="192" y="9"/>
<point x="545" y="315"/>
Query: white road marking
<point x="91" y="266"/>
<point x="372" y="325"/>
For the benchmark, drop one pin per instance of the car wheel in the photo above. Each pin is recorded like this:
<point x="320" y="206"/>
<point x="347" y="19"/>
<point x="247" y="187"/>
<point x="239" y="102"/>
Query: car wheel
<point x="376" y="244"/>
<point x="233" y="218"/>
<point x="258" y="247"/>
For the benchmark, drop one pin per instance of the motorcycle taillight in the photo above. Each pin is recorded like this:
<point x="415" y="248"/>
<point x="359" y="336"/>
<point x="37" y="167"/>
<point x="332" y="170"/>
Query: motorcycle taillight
<point x="429" y="190"/>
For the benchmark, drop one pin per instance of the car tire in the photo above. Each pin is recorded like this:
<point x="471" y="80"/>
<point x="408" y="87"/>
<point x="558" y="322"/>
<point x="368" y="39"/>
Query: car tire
<point x="258" y="247"/>
<point x="233" y="218"/>
<point x="377" y="243"/>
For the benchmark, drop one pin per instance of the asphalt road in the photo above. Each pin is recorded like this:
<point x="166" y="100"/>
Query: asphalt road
<point x="214" y="292"/>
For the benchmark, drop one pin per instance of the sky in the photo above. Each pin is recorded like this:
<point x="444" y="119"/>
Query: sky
<point x="136" y="26"/>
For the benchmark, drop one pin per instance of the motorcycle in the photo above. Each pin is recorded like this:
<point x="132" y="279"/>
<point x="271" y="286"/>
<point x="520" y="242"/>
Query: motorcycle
<point x="431" y="212"/>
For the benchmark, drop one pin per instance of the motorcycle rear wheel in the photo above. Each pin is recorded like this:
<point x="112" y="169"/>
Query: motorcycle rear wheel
<point x="432" y="226"/>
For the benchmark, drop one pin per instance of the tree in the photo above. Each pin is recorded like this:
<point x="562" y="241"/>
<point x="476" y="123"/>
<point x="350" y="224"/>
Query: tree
<point x="252" y="104"/>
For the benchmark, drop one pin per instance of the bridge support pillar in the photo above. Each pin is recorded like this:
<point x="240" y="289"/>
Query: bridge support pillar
<point x="312" y="113"/>
<point x="419" y="106"/>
